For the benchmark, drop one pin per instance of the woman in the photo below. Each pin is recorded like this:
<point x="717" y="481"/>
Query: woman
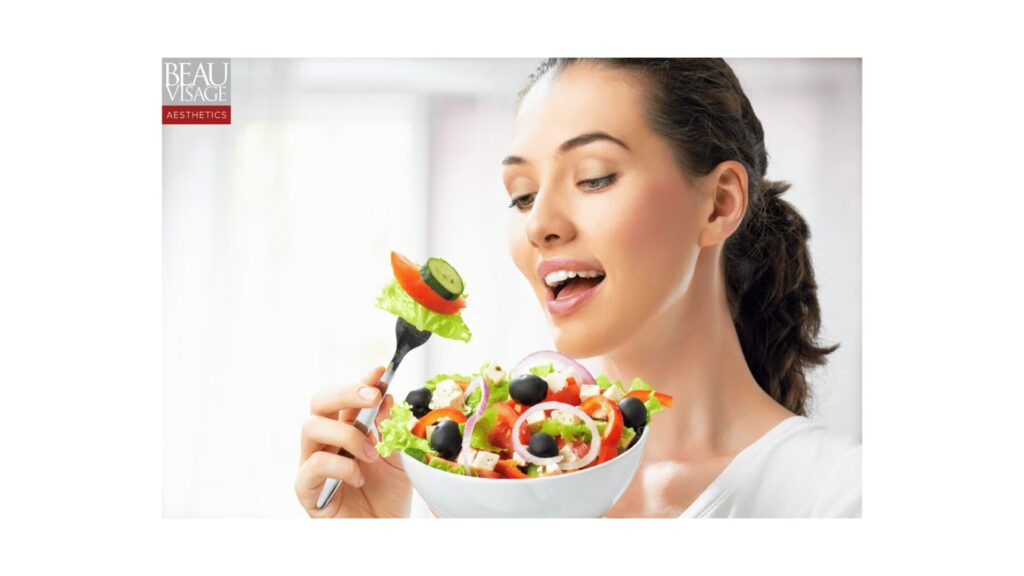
<point x="651" y="172"/>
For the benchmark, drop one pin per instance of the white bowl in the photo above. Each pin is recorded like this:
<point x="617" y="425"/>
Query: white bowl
<point x="585" y="494"/>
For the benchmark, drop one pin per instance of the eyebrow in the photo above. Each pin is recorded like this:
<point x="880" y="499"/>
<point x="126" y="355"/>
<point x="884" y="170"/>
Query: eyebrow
<point x="572" y="143"/>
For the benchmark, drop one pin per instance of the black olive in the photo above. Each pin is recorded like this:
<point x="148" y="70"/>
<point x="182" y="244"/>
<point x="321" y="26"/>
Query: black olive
<point x="634" y="413"/>
<point x="446" y="439"/>
<point x="543" y="445"/>
<point x="528" y="389"/>
<point x="419" y="400"/>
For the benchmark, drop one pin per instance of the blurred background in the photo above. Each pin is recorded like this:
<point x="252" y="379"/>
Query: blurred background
<point x="277" y="229"/>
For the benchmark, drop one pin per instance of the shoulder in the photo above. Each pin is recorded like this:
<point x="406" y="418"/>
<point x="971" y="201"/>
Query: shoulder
<point x="798" y="469"/>
<point x="813" y="471"/>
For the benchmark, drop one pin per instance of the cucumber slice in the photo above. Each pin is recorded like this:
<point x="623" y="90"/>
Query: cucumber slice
<point x="442" y="278"/>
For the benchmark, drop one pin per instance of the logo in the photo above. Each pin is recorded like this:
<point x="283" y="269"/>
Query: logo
<point x="197" y="90"/>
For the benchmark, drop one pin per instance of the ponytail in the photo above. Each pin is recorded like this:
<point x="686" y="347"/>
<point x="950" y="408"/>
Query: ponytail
<point x="773" y="297"/>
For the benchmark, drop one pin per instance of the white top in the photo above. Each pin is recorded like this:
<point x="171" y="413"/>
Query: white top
<point x="797" y="469"/>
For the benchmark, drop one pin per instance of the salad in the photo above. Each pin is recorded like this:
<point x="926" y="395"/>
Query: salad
<point x="429" y="296"/>
<point x="544" y="417"/>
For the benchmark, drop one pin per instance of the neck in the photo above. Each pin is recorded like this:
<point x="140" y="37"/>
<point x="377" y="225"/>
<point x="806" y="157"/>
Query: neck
<point x="691" y="350"/>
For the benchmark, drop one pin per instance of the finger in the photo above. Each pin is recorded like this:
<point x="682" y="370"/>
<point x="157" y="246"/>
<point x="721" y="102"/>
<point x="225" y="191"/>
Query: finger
<point x="318" y="468"/>
<point x="319" y="432"/>
<point x="330" y="401"/>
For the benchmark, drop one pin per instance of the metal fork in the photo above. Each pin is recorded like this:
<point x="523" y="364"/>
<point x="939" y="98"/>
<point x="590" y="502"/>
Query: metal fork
<point x="408" y="338"/>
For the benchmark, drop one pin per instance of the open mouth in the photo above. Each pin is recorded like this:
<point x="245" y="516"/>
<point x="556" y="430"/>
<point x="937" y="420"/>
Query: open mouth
<point x="563" y="285"/>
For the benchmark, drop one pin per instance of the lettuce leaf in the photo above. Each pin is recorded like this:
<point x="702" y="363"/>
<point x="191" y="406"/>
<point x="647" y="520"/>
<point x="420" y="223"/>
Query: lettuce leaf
<point x="603" y="382"/>
<point x="396" y="436"/>
<point x="627" y="437"/>
<point x="440" y="464"/>
<point x="543" y="370"/>
<point x="482" y="430"/>
<point x="417" y="454"/>
<point x="652" y="403"/>
<point x="433" y="382"/>
<point x="568" y="432"/>
<point x="499" y="393"/>
<point x="639" y="384"/>
<point x="396" y="301"/>
<point x="653" y="406"/>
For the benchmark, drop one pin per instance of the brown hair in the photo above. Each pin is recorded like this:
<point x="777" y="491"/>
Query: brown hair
<point x="699" y="107"/>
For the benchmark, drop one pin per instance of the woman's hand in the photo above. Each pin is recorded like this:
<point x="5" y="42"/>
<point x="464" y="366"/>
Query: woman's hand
<point x="371" y="486"/>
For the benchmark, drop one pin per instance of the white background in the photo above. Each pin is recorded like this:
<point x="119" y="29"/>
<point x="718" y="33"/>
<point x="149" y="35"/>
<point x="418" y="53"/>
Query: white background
<point x="80" y="287"/>
<point x="277" y="230"/>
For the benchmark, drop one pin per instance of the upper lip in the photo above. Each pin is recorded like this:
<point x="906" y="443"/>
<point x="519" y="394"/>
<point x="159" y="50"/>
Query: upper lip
<point x="548" y="266"/>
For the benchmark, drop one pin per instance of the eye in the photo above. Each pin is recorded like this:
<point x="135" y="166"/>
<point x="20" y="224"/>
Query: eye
<point x="522" y="202"/>
<point x="595" y="184"/>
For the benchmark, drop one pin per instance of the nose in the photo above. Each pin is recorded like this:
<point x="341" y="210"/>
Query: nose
<point x="550" y="221"/>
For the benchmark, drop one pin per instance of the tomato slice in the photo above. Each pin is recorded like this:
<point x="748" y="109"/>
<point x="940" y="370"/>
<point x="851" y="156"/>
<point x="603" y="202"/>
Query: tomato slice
<point x="508" y="469"/>
<point x="612" y="432"/>
<point x="408" y="275"/>
<point x="569" y="395"/>
<point x="665" y="399"/>
<point x="420" y="428"/>
<point x="501" y="434"/>
<point x="519" y="408"/>
<point x="580" y="448"/>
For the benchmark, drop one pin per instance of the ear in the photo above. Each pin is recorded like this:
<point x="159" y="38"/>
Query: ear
<point x="725" y="202"/>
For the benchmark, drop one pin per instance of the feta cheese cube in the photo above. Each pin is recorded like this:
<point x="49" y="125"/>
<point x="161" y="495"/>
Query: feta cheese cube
<point x="588" y="390"/>
<point x="613" y="393"/>
<point x="518" y="459"/>
<point x="567" y="454"/>
<point x="534" y="420"/>
<point x="494" y="373"/>
<point x="485" y="460"/>
<point x="549" y="470"/>
<point x="448" y="394"/>
<point x="565" y="417"/>
<point x="556" y="382"/>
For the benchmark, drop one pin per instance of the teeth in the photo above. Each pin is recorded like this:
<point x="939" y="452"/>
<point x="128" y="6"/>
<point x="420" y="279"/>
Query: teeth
<point x="559" y="276"/>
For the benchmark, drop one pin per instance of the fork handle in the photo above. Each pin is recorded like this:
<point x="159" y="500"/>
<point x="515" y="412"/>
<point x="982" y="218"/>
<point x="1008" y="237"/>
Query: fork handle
<point x="364" y="423"/>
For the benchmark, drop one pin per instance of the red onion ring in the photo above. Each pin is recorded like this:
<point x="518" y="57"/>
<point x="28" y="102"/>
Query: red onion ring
<point x="467" y="430"/>
<point x="467" y="433"/>
<point x="595" y="438"/>
<point x="561" y="362"/>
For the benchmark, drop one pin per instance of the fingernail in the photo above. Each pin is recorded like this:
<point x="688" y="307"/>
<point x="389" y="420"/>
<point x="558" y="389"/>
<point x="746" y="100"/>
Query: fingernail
<point x="359" y="481"/>
<point x="367" y="393"/>
<point x="370" y="450"/>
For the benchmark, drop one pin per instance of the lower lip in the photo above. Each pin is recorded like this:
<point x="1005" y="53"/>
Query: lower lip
<point x="568" y="305"/>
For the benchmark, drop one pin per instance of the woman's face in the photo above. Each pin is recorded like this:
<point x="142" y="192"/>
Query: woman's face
<point x="616" y="206"/>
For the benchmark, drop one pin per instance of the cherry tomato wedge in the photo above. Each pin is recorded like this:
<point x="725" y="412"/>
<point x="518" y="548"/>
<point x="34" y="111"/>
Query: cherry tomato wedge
<point x="569" y="395"/>
<point x="508" y="469"/>
<point x="580" y="448"/>
<point x="501" y="434"/>
<point x="420" y="428"/>
<point x="665" y="399"/>
<point x="408" y="275"/>
<point x="519" y="408"/>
